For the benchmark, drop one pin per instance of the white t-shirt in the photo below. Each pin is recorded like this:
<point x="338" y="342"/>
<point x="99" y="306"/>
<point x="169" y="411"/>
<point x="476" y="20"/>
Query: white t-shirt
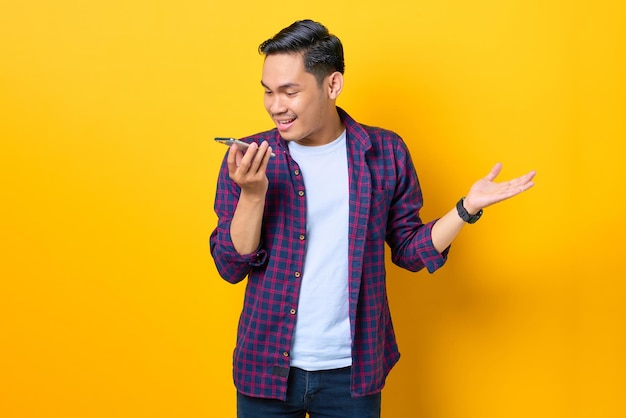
<point x="322" y="335"/>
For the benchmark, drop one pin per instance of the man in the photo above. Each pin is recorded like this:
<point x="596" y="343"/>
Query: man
<point x="308" y="227"/>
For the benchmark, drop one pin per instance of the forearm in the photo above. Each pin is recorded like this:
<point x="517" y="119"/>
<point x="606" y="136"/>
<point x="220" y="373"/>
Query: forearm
<point x="448" y="227"/>
<point x="446" y="230"/>
<point x="245" y="227"/>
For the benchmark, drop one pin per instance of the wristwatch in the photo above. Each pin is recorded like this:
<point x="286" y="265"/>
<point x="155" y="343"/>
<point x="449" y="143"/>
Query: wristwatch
<point x="470" y="219"/>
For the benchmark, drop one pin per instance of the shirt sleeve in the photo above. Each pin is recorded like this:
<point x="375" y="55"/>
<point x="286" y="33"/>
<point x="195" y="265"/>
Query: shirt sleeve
<point x="409" y="238"/>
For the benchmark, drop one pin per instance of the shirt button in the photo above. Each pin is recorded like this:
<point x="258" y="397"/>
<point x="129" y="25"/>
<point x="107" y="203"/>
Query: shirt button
<point x="286" y="354"/>
<point x="301" y="237"/>
<point x="292" y="311"/>
<point x="297" y="172"/>
<point x="300" y="193"/>
<point x="297" y="274"/>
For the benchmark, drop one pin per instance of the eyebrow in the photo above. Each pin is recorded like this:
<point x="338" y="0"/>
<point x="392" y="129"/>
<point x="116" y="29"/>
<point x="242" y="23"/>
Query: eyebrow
<point x="282" y="86"/>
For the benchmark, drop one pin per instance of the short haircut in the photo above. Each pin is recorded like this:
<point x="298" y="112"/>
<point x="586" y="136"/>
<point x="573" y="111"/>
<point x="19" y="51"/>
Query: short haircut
<point x="322" y="51"/>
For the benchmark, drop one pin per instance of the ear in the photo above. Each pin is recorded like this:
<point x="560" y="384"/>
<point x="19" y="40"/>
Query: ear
<point x="334" y="84"/>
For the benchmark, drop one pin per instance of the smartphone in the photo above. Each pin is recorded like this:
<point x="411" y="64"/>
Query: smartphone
<point x="230" y="141"/>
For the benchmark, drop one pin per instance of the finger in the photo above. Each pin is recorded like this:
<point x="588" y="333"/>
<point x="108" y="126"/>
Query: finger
<point x="494" y="172"/>
<point x="259" y="156"/>
<point x="266" y="158"/>
<point x="524" y="180"/>
<point x="234" y="158"/>
<point x="245" y="160"/>
<point x="530" y="175"/>
<point x="238" y="158"/>
<point x="527" y="186"/>
<point x="522" y="184"/>
<point x="254" y="157"/>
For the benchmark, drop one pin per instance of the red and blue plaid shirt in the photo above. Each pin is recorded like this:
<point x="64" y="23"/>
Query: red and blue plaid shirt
<point x="385" y="200"/>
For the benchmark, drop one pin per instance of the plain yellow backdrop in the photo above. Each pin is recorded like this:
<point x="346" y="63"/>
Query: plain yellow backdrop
<point x="109" y="302"/>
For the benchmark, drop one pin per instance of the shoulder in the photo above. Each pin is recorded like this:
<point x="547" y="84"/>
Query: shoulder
<point x="370" y="134"/>
<point x="378" y="134"/>
<point x="385" y="142"/>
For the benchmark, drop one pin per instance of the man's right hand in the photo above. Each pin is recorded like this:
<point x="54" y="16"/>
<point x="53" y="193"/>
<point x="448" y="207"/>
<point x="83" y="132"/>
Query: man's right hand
<point x="248" y="169"/>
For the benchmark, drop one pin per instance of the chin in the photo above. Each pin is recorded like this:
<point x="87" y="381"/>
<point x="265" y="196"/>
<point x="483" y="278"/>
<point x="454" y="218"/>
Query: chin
<point x="287" y="136"/>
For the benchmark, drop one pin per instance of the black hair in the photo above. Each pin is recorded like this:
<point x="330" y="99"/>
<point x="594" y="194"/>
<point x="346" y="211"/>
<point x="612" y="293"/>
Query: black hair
<point x="322" y="51"/>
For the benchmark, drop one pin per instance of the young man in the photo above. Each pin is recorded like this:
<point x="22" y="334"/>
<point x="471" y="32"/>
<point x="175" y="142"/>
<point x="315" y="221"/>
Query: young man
<point x="308" y="227"/>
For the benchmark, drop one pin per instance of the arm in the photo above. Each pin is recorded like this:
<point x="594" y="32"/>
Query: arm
<point x="485" y="192"/>
<point x="235" y="242"/>
<point x="248" y="171"/>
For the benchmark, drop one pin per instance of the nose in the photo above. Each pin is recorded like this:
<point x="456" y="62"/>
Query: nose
<point x="275" y="104"/>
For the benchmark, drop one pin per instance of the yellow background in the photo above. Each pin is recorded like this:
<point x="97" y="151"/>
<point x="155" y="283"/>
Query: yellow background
<point x="109" y="302"/>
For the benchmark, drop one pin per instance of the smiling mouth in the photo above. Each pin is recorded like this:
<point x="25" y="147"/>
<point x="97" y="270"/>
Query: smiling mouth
<point x="285" y="122"/>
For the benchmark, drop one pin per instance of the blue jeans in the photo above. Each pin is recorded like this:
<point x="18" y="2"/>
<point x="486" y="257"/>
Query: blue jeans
<point x="323" y="393"/>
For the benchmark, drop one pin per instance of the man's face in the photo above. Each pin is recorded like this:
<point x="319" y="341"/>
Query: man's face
<point x="298" y="105"/>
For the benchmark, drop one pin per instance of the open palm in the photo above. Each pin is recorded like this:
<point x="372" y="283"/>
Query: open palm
<point x="486" y="191"/>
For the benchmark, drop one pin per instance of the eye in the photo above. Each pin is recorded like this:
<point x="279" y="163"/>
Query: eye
<point x="291" y="93"/>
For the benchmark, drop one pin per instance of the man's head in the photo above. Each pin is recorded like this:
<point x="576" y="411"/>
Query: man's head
<point x="302" y="78"/>
<point x="322" y="52"/>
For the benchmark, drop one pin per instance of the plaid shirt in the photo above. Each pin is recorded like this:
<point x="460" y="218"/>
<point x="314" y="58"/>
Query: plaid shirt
<point x="385" y="199"/>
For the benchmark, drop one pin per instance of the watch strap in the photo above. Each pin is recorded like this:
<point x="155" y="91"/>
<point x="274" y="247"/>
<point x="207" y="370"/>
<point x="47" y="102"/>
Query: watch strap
<point x="464" y="214"/>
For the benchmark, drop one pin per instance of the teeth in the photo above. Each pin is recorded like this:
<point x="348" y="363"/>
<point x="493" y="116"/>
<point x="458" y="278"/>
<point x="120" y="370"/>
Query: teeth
<point x="284" y="122"/>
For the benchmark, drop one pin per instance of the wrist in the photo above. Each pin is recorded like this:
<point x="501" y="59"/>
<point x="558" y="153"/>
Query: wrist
<point x="471" y="209"/>
<point x="252" y="198"/>
<point x="467" y="212"/>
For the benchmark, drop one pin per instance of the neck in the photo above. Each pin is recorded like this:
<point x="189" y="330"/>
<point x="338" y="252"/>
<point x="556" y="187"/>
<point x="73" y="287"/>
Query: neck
<point x="333" y="128"/>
